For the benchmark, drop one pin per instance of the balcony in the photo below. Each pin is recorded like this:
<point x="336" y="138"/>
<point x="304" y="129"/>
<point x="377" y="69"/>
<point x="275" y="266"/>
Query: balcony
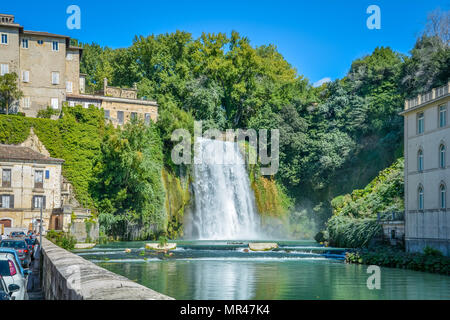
<point x="422" y="99"/>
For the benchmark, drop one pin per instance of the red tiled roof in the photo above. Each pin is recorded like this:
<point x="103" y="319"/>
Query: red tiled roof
<point x="14" y="153"/>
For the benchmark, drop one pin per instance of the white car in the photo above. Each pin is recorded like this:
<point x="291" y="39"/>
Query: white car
<point x="10" y="272"/>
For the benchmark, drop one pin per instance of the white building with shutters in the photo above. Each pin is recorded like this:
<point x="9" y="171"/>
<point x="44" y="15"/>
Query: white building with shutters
<point x="427" y="170"/>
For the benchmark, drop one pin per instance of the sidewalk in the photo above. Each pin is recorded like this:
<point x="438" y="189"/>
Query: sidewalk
<point x="34" y="284"/>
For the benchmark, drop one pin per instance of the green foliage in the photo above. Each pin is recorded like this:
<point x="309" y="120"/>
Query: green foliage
<point x="128" y="188"/>
<point x="394" y="258"/>
<point x="47" y="113"/>
<point x="63" y="239"/>
<point x="162" y="241"/>
<point x="9" y="92"/>
<point x="347" y="232"/>
<point x="75" y="137"/>
<point x="353" y="223"/>
<point x="384" y="193"/>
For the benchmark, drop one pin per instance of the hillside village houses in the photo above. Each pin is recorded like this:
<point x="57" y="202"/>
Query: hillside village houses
<point x="49" y="74"/>
<point x="427" y="170"/>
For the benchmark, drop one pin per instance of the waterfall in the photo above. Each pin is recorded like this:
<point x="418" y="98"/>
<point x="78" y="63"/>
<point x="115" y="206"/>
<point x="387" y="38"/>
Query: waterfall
<point x="224" y="202"/>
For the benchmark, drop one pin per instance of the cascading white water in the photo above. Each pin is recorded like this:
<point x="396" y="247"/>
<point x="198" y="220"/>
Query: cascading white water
<point x="224" y="202"/>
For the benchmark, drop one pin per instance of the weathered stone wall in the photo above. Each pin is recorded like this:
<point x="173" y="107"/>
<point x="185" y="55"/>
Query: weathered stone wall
<point x="79" y="230"/>
<point x="66" y="276"/>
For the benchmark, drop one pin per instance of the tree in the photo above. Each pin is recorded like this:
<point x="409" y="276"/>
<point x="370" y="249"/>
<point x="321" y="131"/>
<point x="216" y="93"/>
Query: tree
<point x="9" y="91"/>
<point x="128" y="184"/>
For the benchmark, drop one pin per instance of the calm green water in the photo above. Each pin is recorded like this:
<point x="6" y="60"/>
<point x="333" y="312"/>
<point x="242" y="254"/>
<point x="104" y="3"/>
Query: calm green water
<point x="297" y="270"/>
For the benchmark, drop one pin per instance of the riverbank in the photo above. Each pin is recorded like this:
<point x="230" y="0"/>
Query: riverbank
<point x="430" y="261"/>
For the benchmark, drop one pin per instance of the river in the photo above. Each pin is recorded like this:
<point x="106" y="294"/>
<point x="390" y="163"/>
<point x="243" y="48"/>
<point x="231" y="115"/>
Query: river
<point x="297" y="270"/>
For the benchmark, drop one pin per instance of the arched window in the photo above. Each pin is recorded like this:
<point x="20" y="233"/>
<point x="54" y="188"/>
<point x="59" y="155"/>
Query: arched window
<point x="442" y="196"/>
<point x="442" y="156"/>
<point x="420" y="197"/>
<point x="420" y="160"/>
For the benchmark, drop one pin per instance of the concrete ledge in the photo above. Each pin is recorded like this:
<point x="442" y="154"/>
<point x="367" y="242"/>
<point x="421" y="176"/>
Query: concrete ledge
<point x="158" y="247"/>
<point x="85" y="245"/>
<point x="262" y="246"/>
<point x="66" y="276"/>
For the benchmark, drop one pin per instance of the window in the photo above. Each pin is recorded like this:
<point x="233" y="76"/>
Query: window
<point x="7" y="201"/>
<point x="69" y="86"/>
<point x="26" y="102"/>
<point x="106" y="114"/>
<point x="442" y="156"/>
<point x="134" y="115"/>
<point x="40" y="42"/>
<point x="4" y="69"/>
<point x="442" y="196"/>
<point x="25" y="43"/>
<point x="420" y="122"/>
<point x="442" y="116"/>
<point x="25" y="76"/>
<point x="47" y="174"/>
<point x="55" y="46"/>
<point x="120" y="117"/>
<point x="4" y="38"/>
<point x="6" y="178"/>
<point x="420" y="160"/>
<point x="39" y="179"/>
<point x="420" y="197"/>
<point x="69" y="56"/>
<point x="147" y="118"/>
<point x="38" y="202"/>
<point x="55" y="103"/>
<point x="55" y="77"/>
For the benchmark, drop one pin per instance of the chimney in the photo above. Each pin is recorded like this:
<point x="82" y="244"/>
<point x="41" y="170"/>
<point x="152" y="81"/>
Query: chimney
<point x="6" y="19"/>
<point x="105" y="85"/>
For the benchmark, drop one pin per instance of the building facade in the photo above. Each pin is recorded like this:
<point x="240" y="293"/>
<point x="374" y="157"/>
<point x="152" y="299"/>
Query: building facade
<point x="48" y="70"/>
<point x="46" y="64"/>
<point x="29" y="180"/>
<point x="427" y="170"/>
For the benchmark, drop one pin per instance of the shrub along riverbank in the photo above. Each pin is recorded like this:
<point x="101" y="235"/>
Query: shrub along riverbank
<point x="430" y="260"/>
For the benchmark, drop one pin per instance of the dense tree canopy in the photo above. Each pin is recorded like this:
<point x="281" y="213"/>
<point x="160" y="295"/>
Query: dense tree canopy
<point x="334" y="138"/>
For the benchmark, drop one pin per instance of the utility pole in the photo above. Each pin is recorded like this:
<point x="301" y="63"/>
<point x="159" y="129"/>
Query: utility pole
<point x="40" y="231"/>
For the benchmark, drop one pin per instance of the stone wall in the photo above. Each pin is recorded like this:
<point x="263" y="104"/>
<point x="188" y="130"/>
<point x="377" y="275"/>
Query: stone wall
<point x="66" y="276"/>
<point x="79" y="230"/>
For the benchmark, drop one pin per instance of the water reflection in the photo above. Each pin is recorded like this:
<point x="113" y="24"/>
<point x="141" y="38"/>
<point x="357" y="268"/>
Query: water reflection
<point x="308" y="279"/>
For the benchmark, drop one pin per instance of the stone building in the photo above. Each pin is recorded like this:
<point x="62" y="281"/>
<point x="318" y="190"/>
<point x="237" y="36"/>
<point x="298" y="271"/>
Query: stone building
<point x="48" y="67"/>
<point x="427" y="170"/>
<point x="119" y="105"/>
<point x="29" y="180"/>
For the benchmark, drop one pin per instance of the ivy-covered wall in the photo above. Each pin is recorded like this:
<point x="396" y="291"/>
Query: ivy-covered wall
<point x="177" y="199"/>
<point x="76" y="138"/>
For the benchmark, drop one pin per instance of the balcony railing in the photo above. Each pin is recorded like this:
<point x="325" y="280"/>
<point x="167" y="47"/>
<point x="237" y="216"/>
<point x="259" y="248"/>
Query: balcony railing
<point x="391" y="216"/>
<point x="434" y="94"/>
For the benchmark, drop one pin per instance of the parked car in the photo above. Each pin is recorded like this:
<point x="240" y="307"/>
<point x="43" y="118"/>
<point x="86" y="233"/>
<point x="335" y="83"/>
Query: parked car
<point x="5" y="292"/>
<point x="17" y="234"/>
<point x="25" y="273"/>
<point x="21" y="248"/>
<point x="10" y="272"/>
<point x="30" y="244"/>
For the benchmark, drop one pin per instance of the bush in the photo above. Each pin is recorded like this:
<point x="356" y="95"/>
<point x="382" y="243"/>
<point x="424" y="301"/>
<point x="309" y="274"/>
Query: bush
<point x="431" y="261"/>
<point x="321" y="236"/>
<point x="62" y="239"/>
<point x="47" y="113"/>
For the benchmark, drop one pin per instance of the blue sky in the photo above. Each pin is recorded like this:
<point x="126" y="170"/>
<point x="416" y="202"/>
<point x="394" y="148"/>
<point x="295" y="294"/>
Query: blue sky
<point x="319" y="38"/>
